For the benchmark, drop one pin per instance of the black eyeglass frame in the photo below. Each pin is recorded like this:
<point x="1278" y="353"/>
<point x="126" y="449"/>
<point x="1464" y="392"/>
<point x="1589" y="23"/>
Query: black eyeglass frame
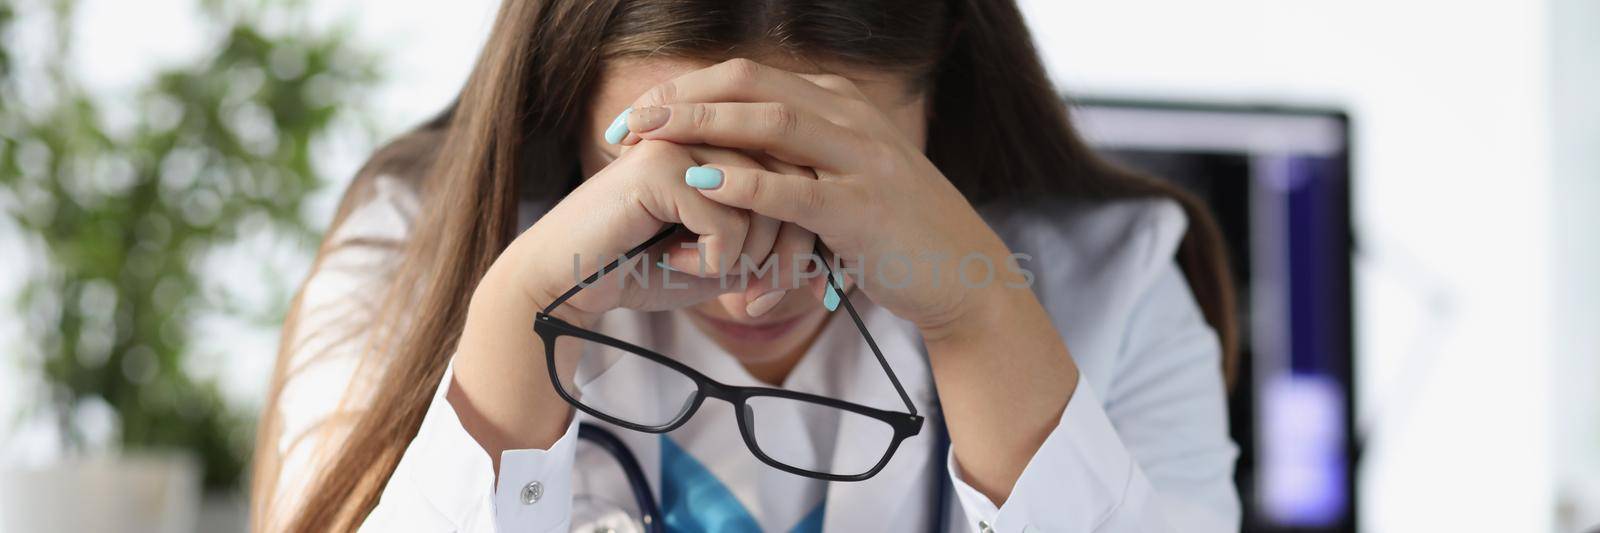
<point x="549" y="328"/>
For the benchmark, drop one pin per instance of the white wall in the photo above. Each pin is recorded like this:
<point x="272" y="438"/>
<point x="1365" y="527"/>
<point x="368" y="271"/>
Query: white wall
<point x="1452" y="199"/>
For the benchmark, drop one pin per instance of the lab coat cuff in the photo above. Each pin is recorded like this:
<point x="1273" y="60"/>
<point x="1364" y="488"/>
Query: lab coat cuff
<point x="1073" y="482"/>
<point x="534" y="491"/>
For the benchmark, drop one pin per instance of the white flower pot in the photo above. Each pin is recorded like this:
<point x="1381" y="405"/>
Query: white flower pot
<point x="135" y="493"/>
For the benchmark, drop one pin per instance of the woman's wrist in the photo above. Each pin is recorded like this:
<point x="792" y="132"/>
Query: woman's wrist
<point x="501" y="391"/>
<point x="972" y="307"/>
<point x="516" y="275"/>
<point x="976" y="313"/>
<point x="1001" y="355"/>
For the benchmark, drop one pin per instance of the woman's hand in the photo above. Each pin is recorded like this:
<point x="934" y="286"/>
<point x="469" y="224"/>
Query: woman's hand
<point x="624" y="204"/>
<point x="906" y="235"/>
<point x="1003" y="373"/>
<point x="502" y="390"/>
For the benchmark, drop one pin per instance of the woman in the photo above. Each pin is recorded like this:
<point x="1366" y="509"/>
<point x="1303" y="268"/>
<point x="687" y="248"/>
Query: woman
<point x="412" y="395"/>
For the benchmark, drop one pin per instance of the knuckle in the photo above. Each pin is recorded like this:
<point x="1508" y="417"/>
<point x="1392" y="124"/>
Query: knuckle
<point x="702" y="116"/>
<point x="661" y="94"/>
<point x="641" y="193"/>
<point x="631" y="193"/>
<point x="741" y="71"/>
<point x="837" y="83"/>
<point x="812" y="199"/>
<point x="783" y="119"/>
<point x="880" y="157"/>
<point x="752" y="189"/>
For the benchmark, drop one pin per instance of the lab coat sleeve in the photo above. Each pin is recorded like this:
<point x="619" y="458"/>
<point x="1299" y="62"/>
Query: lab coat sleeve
<point x="324" y="381"/>
<point x="1151" y="454"/>
<point x="445" y="481"/>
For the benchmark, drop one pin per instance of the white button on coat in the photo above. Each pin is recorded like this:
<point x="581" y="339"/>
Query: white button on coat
<point x="532" y="492"/>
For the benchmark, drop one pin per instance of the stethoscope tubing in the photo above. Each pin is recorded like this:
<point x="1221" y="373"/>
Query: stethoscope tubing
<point x="650" y="511"/>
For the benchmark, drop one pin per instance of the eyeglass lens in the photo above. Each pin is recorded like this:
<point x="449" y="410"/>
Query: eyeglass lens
<point x="784" y="429"/>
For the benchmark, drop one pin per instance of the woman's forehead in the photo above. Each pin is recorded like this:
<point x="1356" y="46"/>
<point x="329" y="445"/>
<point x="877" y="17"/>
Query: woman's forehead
<point x="623" y="80"/>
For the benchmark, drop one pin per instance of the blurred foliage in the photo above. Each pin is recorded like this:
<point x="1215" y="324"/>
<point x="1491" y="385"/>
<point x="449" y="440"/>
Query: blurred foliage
<point x="216" y="150"/>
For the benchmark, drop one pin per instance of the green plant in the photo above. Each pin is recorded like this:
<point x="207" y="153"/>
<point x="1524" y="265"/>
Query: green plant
<point x="217" y="149"/>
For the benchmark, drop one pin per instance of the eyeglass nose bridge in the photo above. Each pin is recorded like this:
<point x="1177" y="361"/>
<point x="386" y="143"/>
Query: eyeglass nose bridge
<point x="726" y="393"/>
<point x="707" y="389"/>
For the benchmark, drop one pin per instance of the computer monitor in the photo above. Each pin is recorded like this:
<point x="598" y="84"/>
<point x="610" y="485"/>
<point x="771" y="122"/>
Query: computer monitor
<point x="1278" y="180"/>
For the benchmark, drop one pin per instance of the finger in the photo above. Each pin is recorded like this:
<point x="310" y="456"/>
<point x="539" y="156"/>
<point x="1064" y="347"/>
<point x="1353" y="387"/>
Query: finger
<point x="763" y="229"/>
<point x="743" y="80"/>
<point x="780" y="166"/>
<point x="655" y="289"/>
<point x="758" y="242"/>
<point x="835" y="84"/>
<point x="818" y="205"/>
<point x="720" y="229"/>
<point x="800" y="239"/>
<point x="776" y="276"/>
<point x="782" y="273"/>
<point x="780" y="129"/>
<point x="719" y="238"/>
<point x="793" y="240"/>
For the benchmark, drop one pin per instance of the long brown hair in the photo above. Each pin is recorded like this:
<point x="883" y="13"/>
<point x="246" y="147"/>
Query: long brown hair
<point x="998" y="131"/>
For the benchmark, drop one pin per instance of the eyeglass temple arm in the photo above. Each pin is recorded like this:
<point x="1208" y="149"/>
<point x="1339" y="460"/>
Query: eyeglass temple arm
<point x="595" y="277"/>
<point x="912" y="408"/>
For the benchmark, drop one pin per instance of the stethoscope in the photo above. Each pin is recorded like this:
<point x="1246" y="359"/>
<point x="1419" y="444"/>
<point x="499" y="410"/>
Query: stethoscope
<point x="650" y="509"/>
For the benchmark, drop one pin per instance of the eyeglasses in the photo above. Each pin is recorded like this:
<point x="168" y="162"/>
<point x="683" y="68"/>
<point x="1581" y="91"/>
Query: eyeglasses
<point x="665" y="393"/>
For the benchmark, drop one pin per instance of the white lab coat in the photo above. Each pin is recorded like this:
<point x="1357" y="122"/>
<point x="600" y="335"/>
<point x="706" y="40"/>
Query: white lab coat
<point x="1142" y="446"/>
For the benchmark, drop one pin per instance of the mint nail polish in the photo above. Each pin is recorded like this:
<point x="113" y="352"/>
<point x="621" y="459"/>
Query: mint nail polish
<point x="618" y="128"/>
<point x="830" y="299"/>
<point x="703" y="177"/>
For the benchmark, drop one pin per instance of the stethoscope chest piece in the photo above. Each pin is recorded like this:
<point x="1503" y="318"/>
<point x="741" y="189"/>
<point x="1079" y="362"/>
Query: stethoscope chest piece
<point x="591" y="514"/>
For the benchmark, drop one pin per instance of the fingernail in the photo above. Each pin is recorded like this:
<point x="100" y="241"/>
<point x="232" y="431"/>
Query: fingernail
<point x="830" y="299"/>
<point x="764" y="303"/>
<point x="703" y="177"/>
<point x="647" y="118"/>
<point x="619" y="127"/>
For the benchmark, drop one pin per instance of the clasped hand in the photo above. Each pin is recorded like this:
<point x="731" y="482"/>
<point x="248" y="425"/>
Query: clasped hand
<point x="785" y="159"/>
